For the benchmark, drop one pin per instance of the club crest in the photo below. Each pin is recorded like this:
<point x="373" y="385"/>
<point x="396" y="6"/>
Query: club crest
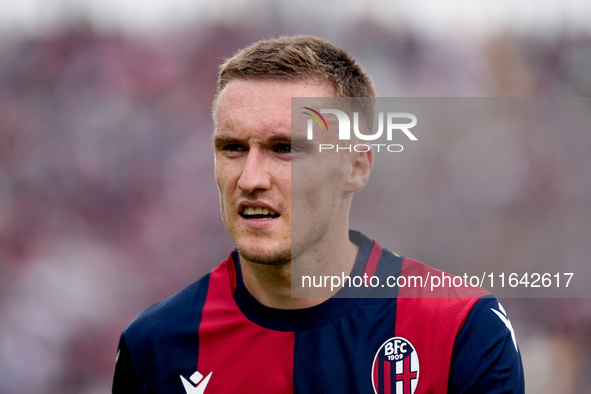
<point x="395" y="367"/>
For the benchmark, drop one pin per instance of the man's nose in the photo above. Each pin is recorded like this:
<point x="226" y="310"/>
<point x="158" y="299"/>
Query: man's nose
<point x="255" y="173"/>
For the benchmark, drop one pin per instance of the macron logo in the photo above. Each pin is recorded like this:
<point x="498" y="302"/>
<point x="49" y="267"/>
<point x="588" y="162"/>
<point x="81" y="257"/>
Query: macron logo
<point x="505" y="319"/>
<point x="194" y="388"/>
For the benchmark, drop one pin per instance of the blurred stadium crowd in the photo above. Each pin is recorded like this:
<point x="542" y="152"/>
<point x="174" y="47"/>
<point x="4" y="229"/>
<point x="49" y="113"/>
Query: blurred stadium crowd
<point x="107" y="196"/>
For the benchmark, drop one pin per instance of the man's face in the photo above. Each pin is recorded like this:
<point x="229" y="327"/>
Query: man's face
<point x="254" y="153"/>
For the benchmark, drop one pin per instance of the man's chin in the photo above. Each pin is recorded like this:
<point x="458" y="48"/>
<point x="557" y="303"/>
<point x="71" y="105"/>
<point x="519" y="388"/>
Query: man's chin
<point x="266" y="257"/>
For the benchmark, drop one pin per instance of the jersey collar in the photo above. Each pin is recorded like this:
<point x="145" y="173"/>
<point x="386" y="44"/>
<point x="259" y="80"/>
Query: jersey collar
<point x="301" y="319"/>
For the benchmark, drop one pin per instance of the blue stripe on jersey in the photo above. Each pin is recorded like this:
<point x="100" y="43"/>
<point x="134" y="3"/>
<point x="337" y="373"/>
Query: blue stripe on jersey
<point x="336" y="358"/>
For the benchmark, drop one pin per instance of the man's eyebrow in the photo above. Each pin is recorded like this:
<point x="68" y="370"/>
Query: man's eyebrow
<point x="280" y="138"/>
<point x="220" y="140"/>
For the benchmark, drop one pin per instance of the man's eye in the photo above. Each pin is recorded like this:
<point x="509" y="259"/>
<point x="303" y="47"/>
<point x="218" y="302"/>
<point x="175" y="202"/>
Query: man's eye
<point x="283" y="148"/>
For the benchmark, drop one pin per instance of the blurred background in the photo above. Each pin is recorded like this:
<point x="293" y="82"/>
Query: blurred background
<point x="107" y="197"/>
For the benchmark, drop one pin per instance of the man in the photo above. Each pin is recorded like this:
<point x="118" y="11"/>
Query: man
<point x="238" y="329"/>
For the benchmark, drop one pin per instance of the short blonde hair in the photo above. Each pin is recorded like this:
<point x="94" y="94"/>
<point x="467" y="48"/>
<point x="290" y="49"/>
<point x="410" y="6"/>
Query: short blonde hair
<point x="297" y="58"/>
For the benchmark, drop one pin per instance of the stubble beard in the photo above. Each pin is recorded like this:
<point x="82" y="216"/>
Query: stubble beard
<point x="275" y="258"/>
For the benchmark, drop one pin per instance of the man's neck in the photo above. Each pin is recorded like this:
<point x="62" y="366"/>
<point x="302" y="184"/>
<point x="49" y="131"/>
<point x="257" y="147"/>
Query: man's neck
<point x="271" y="284"/>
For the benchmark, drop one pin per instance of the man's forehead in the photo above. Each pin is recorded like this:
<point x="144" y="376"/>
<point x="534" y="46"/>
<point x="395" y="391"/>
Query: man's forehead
<point x="262" y="108"/>
<point x="233" y="125"/>
<point x="266" y="95"/>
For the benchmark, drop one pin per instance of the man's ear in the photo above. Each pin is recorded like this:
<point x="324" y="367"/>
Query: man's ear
<point x="360" y="170"/>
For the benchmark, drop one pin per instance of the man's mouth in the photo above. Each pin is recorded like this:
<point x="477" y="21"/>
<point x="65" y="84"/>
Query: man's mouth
<point x="258" y="213"/>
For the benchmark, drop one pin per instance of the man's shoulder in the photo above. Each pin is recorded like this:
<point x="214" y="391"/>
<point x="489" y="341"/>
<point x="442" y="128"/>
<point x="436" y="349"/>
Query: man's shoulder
<point x="164" y="315"/>
<point x="185" y="304"/>
<point x="174" y="314"/>
<point x="168" y="330"/>
<point x="434" y="295"/>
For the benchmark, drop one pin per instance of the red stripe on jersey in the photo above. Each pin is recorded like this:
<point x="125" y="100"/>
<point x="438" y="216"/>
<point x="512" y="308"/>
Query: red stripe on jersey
<point x="243" y="356"/>
<point x="432" y="324"/>
<point x="372" y="261"/>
